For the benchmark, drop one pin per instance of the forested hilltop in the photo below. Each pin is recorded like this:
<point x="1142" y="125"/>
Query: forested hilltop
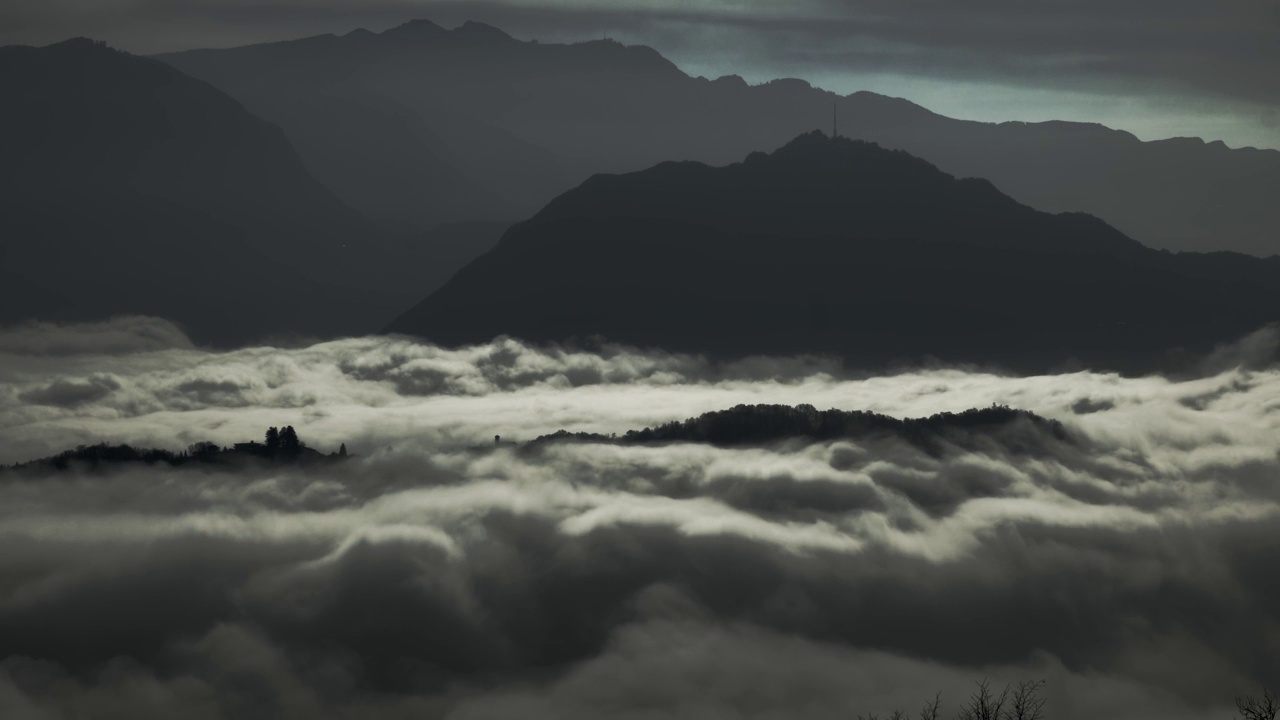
<point x="279" y="445"/>
<point x="740" y="425"/>
<point x="764" y="424"/>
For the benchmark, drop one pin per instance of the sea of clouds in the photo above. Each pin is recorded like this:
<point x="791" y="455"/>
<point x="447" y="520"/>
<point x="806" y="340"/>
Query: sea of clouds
<point x="1132" y="564"/>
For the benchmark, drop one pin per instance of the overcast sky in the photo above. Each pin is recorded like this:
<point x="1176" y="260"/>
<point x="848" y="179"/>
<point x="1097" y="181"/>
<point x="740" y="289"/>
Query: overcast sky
<point x="1157" y="68"/>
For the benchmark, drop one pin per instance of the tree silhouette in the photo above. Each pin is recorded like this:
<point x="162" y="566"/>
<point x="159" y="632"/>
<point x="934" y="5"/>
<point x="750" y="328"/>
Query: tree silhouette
<point x="289" y="443"/>
<point x="202" y="449"/>
<point x="342" y="450"/>
<point x="932" y="709"/>
<point x="273" y="440"/>
<point x="984" y="704"/>
<point x="1026" y="702"/>
<point x="1264" y="708"/>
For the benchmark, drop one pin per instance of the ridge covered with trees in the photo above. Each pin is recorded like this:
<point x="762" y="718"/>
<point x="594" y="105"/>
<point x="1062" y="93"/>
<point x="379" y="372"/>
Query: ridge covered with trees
<point x="280" y="445"/>
<point x="763" y="424"/>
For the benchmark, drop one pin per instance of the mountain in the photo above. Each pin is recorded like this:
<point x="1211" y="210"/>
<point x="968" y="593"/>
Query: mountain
<point x="429" y="259"/>
<point x="842" y="247"/>
<point x="362" y="110"/>
<point x="1176" y="194"/>
<point x="497" y="126"/>
<point x="129" y="187"/>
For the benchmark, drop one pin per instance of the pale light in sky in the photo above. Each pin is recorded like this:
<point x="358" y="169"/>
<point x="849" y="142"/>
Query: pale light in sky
<point x="1156" y="69"/>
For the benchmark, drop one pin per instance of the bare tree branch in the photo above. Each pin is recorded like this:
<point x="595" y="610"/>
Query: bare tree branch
<point x="984" y="704"/>
<point x="1026" y="703"/>
<point x="1252" y="708"/>
<point x="930" y="711"/>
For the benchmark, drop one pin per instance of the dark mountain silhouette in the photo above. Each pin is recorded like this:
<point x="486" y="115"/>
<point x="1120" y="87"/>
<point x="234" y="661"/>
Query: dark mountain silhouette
<point x="842" y="247"/>
<point x="282" y="446"/>
<point x="362" y="112"/>
<point x="522" y="121"/>
<point x="1176" y="194"/>
<point x="132" y="188"/>
<point x="745" y="425"/>
<point x="429" y="259"/>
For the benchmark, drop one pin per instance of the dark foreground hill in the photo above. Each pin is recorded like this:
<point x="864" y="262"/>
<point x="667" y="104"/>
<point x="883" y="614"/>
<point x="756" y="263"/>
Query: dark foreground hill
<point x="842" y="247"/>
<point x="128" y="187"/>
<point x="422" y="124"/>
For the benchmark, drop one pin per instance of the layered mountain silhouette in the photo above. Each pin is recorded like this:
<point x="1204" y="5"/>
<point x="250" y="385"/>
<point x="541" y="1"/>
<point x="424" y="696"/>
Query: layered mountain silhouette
<point x="843" y="247"/>
<point x="370" y="116"/>
<point x="419" y="124"/>
<point x="129" y="187"/>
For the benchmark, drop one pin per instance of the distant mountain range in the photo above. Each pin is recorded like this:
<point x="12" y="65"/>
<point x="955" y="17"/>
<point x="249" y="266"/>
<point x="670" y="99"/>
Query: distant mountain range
<point x="319" y="187"/>
<point x="843" y="247"/>
<point x="129" y="187"/>
<point x="419" y="124"/>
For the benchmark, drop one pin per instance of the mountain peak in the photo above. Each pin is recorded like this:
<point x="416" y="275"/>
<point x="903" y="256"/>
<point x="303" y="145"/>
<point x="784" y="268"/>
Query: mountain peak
<point x="416" y="30"/>
<point x="828" y="246"/>
<point x="80" y="45"/>
<point x="816" y="185"/>
<point x="810" y="139"/>
<point x="818" y="151"/>
<point x="787" y="86"/>
<point x="481" y="31"/>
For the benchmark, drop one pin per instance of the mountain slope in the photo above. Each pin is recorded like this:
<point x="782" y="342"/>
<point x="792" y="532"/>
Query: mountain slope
<point x="842" y="247"/>
<point x="560" y="113"/>
<point x="136" y="189"/>
<point x="1177" y="194"/>
<point x="364" y="111"/>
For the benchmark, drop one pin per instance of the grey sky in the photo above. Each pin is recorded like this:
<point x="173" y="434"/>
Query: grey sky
<point x="1157" y="68"/>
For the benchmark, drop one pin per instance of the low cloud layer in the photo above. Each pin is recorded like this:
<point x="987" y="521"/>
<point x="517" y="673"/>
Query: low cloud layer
<point x="120" y="336"/>
<point x="1129" y="564"/>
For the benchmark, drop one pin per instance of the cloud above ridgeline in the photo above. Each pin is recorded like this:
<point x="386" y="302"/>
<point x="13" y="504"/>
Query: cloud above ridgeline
<point x="1129" y="564"/>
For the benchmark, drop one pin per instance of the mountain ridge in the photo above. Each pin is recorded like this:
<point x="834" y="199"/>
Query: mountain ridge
<point x="841" y="247"/>
<point x="152" y="192"/>
<point x="577" y="109"/>
<point x="889" y="175"/>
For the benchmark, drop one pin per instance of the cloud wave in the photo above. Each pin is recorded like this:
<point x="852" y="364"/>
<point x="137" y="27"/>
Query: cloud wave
<point x="1130" y="564"/>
